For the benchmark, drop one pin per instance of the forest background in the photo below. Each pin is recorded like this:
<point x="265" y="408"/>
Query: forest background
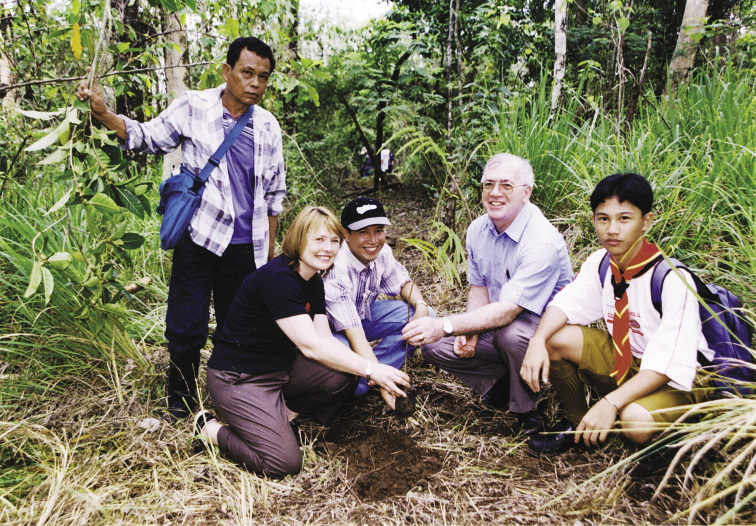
<point x="581" y="88"/>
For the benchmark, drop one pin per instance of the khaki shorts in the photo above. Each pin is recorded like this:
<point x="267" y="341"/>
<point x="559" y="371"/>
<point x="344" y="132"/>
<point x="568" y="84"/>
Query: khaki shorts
<point x="597" y="362"/>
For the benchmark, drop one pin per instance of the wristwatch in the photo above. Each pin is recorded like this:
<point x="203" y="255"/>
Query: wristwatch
<point x="448" y="327"/>
<point x="368" y="371"/>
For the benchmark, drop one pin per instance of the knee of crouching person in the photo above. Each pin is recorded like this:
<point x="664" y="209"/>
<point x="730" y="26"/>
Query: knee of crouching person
<point x="291" y="465"/>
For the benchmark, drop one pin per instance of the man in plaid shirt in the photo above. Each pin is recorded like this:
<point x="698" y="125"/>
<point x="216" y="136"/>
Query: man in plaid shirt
<point x="365" y="267"/>
<point x="233" y="231"/>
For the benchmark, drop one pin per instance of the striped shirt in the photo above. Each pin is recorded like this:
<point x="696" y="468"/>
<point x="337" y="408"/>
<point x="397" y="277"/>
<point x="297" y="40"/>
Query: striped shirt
<point x="351" y="287"/>
<point x="195" y="122"/>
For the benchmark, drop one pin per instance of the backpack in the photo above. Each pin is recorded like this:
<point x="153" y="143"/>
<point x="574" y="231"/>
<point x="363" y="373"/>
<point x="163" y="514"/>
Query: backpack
<point x="727" y="332"/>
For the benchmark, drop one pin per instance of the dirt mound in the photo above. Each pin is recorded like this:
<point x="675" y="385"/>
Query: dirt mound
<point x="382" y="464"/>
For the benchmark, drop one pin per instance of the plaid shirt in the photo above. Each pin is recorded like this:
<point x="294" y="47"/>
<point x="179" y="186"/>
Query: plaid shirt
<point x="195" y="122"/>
<point x="351" y="287"/>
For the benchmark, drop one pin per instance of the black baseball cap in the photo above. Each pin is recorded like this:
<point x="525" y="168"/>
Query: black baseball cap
<point x="363" y="211"/>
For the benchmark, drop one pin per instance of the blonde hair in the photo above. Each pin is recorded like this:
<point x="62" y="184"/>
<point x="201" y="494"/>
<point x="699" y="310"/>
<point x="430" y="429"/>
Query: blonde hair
<point x="308" y="220"/>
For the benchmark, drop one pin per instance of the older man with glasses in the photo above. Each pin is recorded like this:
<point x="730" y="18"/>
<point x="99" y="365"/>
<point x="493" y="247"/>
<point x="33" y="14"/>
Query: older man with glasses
<point x="517" y="262"/>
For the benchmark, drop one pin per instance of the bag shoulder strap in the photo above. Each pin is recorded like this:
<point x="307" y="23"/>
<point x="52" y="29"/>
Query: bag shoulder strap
<point x="660" y="273"/>
<point x="603" y="268"/>
<point x="215" y="159"/>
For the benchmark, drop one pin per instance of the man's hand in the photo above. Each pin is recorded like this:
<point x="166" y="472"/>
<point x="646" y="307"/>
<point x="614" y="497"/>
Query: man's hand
<point x="423" y="330"/>
<point x="99" y="109"/>
<point x="535" y="365"/>
<point x="464" y="346"/>
<point x="596" y="424"/>
<point x="94" y="95"/>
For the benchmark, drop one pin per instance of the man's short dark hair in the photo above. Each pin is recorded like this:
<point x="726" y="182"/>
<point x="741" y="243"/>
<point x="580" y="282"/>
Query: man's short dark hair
<point x="253" y="44"/>
<point x="630" y="187"/>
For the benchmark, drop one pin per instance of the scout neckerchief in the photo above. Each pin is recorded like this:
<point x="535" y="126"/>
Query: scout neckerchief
<point x="646" y="258"/>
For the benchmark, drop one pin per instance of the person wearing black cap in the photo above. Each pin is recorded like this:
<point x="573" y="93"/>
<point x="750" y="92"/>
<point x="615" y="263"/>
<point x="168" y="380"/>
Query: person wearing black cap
<point x="365" y="268"/>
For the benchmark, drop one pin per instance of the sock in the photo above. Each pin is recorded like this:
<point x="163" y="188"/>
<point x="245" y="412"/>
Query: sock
<point x="569" y="388"/>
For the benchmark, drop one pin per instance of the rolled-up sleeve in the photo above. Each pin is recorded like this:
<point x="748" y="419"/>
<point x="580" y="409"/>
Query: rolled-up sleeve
<point x="159" y="135"/>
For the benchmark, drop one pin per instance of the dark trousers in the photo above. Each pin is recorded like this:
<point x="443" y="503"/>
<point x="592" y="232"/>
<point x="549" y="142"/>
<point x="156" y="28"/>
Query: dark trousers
<point x="196" y="273"/>
<point x="258" y="434"/>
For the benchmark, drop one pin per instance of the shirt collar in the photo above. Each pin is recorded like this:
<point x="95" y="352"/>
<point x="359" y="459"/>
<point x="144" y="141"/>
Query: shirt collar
<point x="515" y="230"/>
<point x="353" y="261"/>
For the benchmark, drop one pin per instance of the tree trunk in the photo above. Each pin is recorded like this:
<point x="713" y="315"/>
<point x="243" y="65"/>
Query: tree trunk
<point x="633" y="102"/>
<point x="290" y="104"/>
<point x="175" y="77"/>
<point x="560" y="48"/>
<point x="129" y="15"/>
<point x="378" y="175"/>
<point x="450" y="104"/>
<point x="684" y="57"/>
<point x="7" y="74"/>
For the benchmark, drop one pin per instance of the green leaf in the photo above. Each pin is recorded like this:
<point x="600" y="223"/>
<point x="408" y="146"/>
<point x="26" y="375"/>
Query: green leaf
<point x="92" y="283"/>
<point x="142" y="188"/>
<point x="313" y="95"/>
<point x="115" y="309"/>
<point x="232" y="26"/>
<point x="62" y="129"/>
<point x="41" y="115"/>
<point x="48" y="140"/>
<point x="60" y="260"/>
<point x="34" y="280"/>
<point x="56" y="157"/>
<point x="132" y="241"/>
<point x="47" y="277"/>
<point x="131" y="202"/>
<point x="60" y="203"/>
<point x="623" y="24"/>
<point x="104" y="204"/>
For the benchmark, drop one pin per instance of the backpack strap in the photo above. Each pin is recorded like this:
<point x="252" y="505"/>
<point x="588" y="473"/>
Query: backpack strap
<point x="660" y="272"/>
<point x="215" y="159"/>
<point x="603" y="268"/>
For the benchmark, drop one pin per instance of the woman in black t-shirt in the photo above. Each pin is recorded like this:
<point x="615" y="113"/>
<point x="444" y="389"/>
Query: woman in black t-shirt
<point x="276" y="356"/>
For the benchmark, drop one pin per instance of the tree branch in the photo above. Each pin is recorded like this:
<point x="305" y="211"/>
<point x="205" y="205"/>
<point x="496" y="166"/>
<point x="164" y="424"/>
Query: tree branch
<point x="5" y="88"/>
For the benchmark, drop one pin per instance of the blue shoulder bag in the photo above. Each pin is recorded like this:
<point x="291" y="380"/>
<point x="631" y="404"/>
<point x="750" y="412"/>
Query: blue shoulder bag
<point x="180" y="194"/>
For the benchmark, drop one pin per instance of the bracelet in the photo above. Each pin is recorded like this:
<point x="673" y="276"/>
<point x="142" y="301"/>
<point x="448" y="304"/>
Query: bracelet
<point x="368" y="371"/>
<point x="421" y="302"/>
<point x="612" y="403"/>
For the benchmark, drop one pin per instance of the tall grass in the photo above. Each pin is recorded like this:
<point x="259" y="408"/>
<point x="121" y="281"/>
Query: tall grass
<point x="48" y="346"/>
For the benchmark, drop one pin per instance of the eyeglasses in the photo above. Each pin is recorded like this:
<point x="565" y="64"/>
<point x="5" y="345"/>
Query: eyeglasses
<point x="504" y="188"/>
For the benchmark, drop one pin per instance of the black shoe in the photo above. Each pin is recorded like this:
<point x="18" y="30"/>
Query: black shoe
<point x="180" y="405"/>
<point x="529" y="423"/>
<point x="199" y="441"/>
<point x="182" y="390"/>
<point x="498" y="396"/>
<point x="554" y="443"/>
<point x="200" y="421"/>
